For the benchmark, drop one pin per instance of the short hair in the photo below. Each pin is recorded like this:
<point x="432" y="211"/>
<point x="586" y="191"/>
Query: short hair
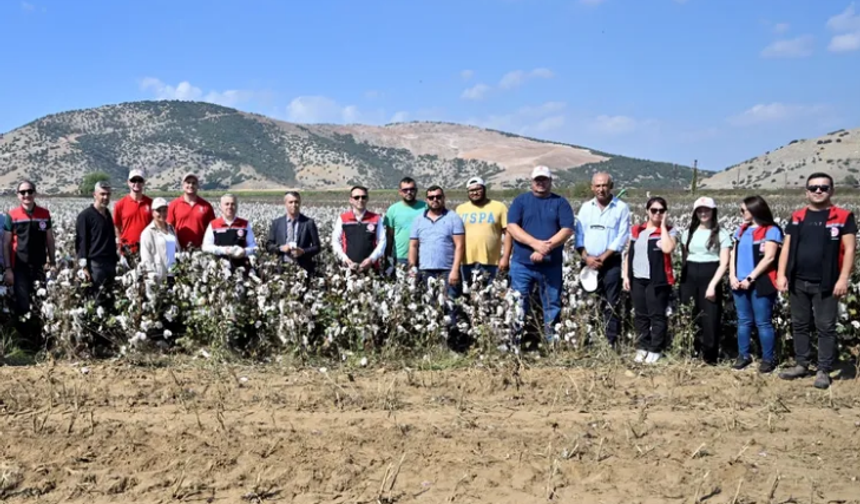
<point x="103" y="185"/>
<point x="294" y="194"/>
<point x="26" y="181"/>
<point x="609" y="179"/>
<point x="407" y="180"/>
<point x="231" y="196"/>
<point x="435" y="188"/>
<point x="820" y="175"/>
<point x="358" y="187"/>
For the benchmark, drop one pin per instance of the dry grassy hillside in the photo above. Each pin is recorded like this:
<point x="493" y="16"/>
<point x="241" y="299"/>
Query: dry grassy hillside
<point x="837" y="153"/>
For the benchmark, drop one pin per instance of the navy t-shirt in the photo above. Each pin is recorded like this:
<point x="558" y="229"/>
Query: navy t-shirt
<point x="542" y="218"/>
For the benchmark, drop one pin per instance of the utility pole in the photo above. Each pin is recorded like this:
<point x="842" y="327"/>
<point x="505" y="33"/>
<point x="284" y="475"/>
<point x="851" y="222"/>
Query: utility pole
<point x="695" y="184"/>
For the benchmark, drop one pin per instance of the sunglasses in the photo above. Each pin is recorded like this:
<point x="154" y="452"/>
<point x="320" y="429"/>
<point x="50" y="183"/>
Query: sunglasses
<point x="409" y="189"/>
<point x="479" y="189"/>
<point x="27" y="192"/>
<point x="136" y="181"/>
<point x="655" y="211"/>
<point x="360" y="197"/>
<point x="436" y="197"/>
<point x="818" y="188"/>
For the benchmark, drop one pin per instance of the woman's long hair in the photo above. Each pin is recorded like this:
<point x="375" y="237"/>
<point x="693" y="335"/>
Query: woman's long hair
<point x="758" y="208"/>
<point x="714" y="226"/>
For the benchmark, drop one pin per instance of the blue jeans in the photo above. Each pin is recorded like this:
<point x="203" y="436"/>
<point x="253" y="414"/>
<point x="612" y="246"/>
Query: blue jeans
<point x="549" y="282"/>
<point x="467" y="269"/>
<point x="755" y="310"/>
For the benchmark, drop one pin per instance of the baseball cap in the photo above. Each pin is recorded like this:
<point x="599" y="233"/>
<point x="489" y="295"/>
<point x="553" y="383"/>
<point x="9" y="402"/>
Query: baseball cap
<point x="541" y="171"/>
<point x="158" y="203"/>
<point x="136" y="173"/>
<point x="475" y="181"/>
<point x="706" y="202"/>
<point x="588" y="279"/>
<point x="189" y="175"/>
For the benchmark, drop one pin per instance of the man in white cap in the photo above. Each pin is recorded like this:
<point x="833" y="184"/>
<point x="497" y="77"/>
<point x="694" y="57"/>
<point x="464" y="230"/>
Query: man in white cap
<point x="540" y="223"/>
<point x="602" y="231"/>
<point x="485" y="221"/>
<point x="190" y="214"/>
<point x="132" y="213"/>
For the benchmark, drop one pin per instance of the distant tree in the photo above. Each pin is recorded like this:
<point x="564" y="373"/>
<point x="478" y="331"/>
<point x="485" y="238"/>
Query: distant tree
<point x="694" y="184"/>
<point x="850" y="181"/>
<point x="89" y="182"/>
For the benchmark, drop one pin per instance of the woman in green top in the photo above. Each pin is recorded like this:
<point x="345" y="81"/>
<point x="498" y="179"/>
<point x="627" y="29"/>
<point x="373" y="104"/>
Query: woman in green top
<point x="706" y="250"/>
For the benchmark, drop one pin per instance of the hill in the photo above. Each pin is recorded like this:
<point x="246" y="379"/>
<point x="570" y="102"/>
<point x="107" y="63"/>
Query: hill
<point x="837" y="153"/>
<point x="237" y="150"/>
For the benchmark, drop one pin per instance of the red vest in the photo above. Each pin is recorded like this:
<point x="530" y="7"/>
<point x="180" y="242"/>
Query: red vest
<point x="831" y="235"/>
<point x="359" y="237"/>
<point x="765" y="285"/>
<point x="226" y="235"/>
<point x="662" y="272"/>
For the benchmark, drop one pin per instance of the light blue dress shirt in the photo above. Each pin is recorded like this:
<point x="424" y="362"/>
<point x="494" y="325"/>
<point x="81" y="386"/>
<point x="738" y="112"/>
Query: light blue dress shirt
<point x="601" y="230"/>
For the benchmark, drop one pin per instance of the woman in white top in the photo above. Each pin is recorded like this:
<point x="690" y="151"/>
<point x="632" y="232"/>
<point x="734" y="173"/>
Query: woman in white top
<point x="158" y="245"/>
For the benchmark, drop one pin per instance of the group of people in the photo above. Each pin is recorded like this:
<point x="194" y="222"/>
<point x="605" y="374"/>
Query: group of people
<point x="811" y="259"/>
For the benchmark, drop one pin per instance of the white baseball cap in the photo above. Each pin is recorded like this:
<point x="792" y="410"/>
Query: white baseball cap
<point x="159" y="203"/>
<point x="541" y="171"/>
<point x="136" y="173"/>
<point x="475" y="181"/>
<point x="189" y="175"/>
<point x="588" y="279"/>
<point x="706" y="202"/>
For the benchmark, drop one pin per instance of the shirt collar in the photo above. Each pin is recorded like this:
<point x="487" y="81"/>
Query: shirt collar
<point x="612" y="202"/>
<point x="444" y="213"/>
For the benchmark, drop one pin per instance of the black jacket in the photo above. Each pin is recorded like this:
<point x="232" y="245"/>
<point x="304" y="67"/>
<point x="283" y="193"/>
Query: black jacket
<point x="307" y="239"/>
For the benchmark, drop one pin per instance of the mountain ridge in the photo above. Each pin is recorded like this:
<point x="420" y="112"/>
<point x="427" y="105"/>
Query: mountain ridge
<point x="232" y="149"/>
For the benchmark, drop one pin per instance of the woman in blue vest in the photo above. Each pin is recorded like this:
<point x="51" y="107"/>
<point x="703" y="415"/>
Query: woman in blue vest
<point x="649" y="278"/>
<point x="753" y="280"/>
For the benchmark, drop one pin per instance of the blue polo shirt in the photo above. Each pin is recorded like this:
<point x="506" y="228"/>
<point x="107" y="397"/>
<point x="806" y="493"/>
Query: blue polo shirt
<point x="436" y="239"/>
<point x="542" y="218"/>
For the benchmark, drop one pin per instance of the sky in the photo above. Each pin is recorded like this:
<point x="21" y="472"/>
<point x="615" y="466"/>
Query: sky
<point x="718" y="81"/>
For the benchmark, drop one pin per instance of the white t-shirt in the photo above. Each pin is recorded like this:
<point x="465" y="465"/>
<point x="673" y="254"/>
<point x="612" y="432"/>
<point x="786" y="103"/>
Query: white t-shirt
<point x="170" y="245"/>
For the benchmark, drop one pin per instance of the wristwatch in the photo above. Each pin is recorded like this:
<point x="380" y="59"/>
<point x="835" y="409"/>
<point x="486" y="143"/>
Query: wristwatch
<point x="750" y="279"/>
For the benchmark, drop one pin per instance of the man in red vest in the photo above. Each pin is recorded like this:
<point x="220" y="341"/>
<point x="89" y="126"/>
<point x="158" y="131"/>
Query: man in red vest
<point x="133" y="212"/>
<point x="358" y="237"/>
<point x="28" y="251"/>
<point x="190" y="214"/>
<point x="815" y="268"/>
<point x="230" y="236"/>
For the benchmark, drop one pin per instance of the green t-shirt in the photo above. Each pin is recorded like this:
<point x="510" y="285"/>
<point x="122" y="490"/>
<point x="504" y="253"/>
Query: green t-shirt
<point x="698" y="252"/>
<point x="399" y="217"/>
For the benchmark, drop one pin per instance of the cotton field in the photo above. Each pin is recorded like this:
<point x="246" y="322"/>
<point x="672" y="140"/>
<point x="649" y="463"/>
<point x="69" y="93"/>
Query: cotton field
<point x="271" y="313"/>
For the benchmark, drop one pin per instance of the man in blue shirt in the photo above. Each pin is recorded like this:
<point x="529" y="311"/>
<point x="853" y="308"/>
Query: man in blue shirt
<point x="602" y="231"/>
<point x="540" y="223"/>
<point x="437" y="242"/>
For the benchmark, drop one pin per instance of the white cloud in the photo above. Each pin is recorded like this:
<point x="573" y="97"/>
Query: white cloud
<point x="781" y="28"/>
<point x="399" y="116"/>
<point x="467" y="74"/>
<point x="614" y="125"/>
<point x="475" y="92"/>
<point x="799" y="47"/>
<point x="517" y="78"/>
<point x="847" y="27"/>
<point x="847" y="21"/>
<point x="313" y="109"/>
<point x="544" y="109"/>
<point x="844" y="43"/>
<point x="764" y="113"/>
<point x="549" y="124"/>
<point x="186" y="91"/>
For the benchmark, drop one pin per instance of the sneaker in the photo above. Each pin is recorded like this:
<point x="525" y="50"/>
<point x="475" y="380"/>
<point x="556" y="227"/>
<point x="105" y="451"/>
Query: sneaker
<point x="640" y="356"/>
<point x="794" y="372"/>
<point x="741" y="363"/>
<point x="652" y="357"/>
<point x="822" y="380"/>
<point x="766" y="367"/>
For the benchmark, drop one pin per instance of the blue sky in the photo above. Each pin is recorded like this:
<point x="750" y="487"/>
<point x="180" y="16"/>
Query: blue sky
<point x="674" y="80"/>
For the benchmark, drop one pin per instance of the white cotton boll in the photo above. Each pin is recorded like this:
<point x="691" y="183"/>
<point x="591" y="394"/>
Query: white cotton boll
<point x="168" y="334"/>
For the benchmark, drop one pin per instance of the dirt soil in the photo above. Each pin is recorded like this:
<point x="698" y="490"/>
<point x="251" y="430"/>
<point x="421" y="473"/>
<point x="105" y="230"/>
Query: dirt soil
<point x="118" y="433"/>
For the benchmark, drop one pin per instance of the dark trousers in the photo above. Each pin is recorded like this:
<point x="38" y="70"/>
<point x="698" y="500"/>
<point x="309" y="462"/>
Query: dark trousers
<point x="707" y="314"/>
<point x="649" y="304"/>
<point x="808" y="302"/>
<point x="103" y="275"/>
<point x="30" y="330"/>
<point x="609" y="290"/>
